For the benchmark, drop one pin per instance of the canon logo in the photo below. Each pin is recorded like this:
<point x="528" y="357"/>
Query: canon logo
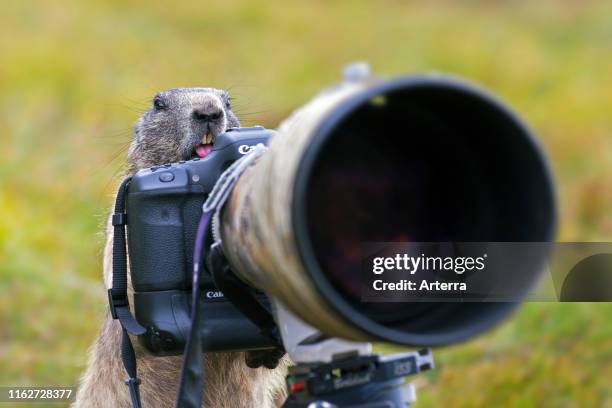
<point x="244" y="149"/>
<point x="214" y="294"/>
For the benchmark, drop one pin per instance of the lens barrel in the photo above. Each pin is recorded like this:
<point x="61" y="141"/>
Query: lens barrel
<point x="413" y="159"/>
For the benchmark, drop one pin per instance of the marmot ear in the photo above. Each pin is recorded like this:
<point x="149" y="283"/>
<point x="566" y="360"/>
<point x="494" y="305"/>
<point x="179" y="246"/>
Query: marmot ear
<point x="159" y="103"/>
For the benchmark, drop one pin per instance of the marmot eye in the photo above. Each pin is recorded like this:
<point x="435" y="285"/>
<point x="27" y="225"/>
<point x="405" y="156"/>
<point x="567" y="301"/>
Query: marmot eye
<point x="228" y="103"/>
<point x="158" y="103"/>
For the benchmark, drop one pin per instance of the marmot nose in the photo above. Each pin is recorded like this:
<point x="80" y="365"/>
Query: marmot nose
<point x="208" y="114"/>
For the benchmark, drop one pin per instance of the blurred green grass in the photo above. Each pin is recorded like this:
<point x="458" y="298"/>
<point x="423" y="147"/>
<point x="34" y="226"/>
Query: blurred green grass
<point x="74" y="76"/>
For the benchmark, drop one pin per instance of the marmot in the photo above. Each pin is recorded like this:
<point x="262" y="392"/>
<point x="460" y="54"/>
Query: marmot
<point x="182" y="123"/>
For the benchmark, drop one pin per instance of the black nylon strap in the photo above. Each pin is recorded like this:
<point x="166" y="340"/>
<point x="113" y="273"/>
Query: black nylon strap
<point x="118" y="299"/>
<point x="191" y="383"/>
<point x="129" y="362"/>
<point x="117" y="295"/>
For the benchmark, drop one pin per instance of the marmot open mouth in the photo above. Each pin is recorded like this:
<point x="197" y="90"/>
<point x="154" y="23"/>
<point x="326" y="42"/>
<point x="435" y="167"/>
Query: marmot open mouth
<point x="203" y="149"/>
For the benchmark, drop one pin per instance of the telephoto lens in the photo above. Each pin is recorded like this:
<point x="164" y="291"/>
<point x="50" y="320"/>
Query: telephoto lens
<point x="422" y="158"/>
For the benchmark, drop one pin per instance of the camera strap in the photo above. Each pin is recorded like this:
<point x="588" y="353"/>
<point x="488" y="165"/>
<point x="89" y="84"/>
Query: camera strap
<point x="189" y="394"/>
<point x="118" y="298"/>
<point x="225" y="185"/>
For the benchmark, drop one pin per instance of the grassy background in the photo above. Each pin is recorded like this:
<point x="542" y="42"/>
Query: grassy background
<point x="74" y="75"/>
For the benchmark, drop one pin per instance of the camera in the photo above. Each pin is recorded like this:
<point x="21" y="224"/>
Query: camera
<point x="164" y="204"/>
<point x="419" y="158"/>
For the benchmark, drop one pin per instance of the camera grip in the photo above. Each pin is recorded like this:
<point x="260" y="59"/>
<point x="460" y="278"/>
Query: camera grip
<point x="159" y="242"/>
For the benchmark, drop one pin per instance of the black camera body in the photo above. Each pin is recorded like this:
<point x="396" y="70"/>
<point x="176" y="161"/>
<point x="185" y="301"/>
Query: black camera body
<point x="164" y="205"/>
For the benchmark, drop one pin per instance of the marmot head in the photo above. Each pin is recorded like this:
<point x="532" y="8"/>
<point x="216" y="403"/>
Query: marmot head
<point x="181" y="124"/>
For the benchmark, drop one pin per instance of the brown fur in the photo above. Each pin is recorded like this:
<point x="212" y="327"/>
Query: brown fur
<point x="228" y="381"/>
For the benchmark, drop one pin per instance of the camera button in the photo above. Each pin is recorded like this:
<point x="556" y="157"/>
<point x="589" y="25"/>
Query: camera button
<point x="166" y="177"/>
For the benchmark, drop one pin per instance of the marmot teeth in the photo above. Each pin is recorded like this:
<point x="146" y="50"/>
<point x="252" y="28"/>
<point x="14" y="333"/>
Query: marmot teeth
<point x="208" y="138"/>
